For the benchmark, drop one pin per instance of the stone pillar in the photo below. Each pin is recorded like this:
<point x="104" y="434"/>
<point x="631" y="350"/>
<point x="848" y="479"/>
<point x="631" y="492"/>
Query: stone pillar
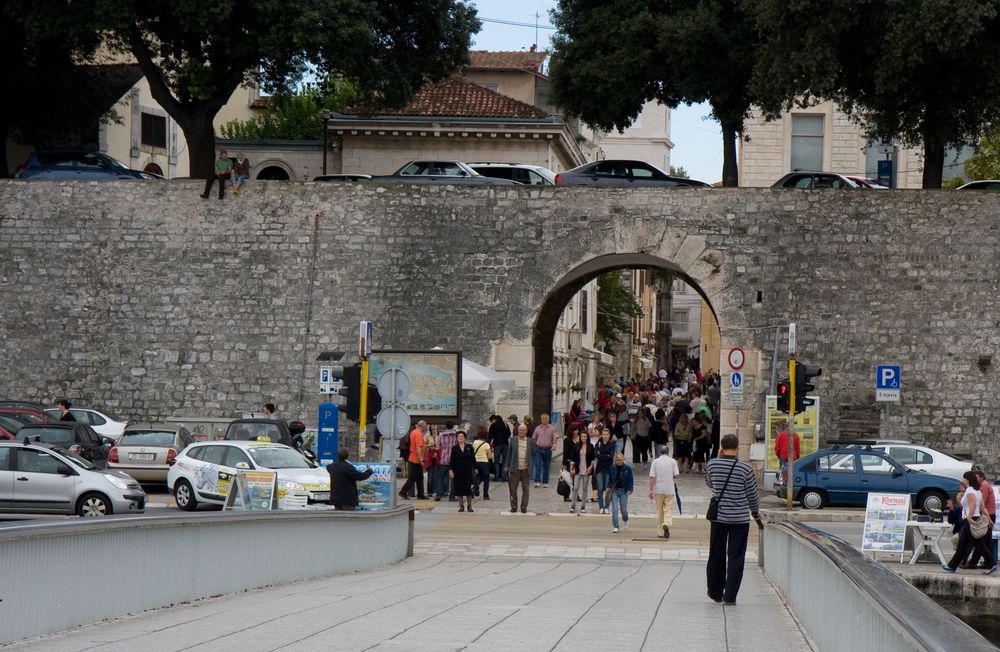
<point x="742" y="420"/>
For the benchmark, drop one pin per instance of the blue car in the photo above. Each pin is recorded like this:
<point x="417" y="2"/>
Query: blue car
<point x="845" y="476"/>
<point x="76" y="164"/>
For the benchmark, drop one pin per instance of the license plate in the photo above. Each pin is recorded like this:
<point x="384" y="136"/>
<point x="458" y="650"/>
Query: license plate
<point x="321" y="495"/>
<point x="142" y="456"/>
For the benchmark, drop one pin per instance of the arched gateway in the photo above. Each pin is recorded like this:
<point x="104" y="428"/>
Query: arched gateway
<point x="155" y="302"/>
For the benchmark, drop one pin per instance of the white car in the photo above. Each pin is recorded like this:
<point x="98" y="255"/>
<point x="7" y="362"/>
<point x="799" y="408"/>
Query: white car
<point x="922" y="458"/>
<point x="203" y="472"/>
<point x="104" y="425"/>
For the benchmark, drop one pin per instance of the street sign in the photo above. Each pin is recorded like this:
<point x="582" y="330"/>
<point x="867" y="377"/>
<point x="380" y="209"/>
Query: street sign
<point x="393" y="385"/>
<point x="365" y="340"/>
<point x="736" y="358"/>
<point x="888" y="383"/>
<point x="736" y="388"/>
<point x="324" y="380"/>
<point x="393" y="422"/>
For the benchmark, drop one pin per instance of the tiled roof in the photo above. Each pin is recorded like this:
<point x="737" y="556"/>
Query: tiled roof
<point x="459" y="98"/>
<point x="485" y="60"/>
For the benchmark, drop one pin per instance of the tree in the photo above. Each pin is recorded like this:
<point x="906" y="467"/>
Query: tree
<point x="195" y="54"/>
<point x="679" y="172"/>
<point x="985" y="163"/>
<point x="46" y="97"/>
<point x="610" y="57"/>
<point x="295" y="116"/>
<point x="924" y="71"/>
<point x="616" y="307"/>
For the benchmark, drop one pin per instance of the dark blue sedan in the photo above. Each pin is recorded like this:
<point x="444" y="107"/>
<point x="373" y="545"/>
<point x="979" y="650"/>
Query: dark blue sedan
<point x="845" y="476"/>
<point x="80" y="165"/>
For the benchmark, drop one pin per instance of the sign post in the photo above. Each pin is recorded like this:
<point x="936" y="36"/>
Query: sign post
<point x="888" y="387"/>
<point x="365" y="351"/>
<point x="789" y="482"/>
<point x="393" y="418"/>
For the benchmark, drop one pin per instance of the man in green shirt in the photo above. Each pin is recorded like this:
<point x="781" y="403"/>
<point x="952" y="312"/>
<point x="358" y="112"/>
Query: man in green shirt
<point x="223" y="167"/>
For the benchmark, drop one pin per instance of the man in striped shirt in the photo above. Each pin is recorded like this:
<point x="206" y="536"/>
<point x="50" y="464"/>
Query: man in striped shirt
<point x="734" y="484"/>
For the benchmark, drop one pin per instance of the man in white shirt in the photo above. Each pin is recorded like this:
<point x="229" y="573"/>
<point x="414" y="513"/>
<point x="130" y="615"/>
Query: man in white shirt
<point x="662" y="473"/>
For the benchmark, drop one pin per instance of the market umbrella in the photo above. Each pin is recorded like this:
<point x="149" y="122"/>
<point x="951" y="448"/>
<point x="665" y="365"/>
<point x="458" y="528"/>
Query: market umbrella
<point x="478" y="378"/>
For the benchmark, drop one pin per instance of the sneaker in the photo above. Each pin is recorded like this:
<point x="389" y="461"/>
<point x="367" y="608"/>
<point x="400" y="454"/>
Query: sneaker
<point x="614" y="530"/>
<point x="583" y="509"/>
<point x="572" y="510"/>
<point x="545" y="485"/>
<point x="537" y="485"/>
<point x="947" y="569"/>
<point x="991" y="571"/>
<point x="625" y="525"/>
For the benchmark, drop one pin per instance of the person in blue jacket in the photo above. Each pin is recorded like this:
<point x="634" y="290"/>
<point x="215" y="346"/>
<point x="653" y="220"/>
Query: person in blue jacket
<point x="621" y="482"/>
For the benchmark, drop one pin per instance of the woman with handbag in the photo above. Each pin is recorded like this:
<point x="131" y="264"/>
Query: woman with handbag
<point x="975" y="525"/>
<point x="484" y="461"/>
<point x="462" y="462"/>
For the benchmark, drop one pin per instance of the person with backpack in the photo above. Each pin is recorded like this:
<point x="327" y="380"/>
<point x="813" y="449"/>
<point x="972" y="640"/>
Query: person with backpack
<point x="621" y="484"/>
<point x="413" y="443"/>
<point x="499" y="435"/>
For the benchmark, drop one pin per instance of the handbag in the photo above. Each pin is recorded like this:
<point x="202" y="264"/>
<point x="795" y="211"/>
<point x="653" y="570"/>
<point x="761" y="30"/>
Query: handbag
<point x="562" y="488"/>
<point x="713" y="504"/>
<point x="979" y="528"/>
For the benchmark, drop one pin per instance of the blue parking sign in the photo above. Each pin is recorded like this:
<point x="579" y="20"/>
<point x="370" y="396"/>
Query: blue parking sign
<point x="888" y="383"/>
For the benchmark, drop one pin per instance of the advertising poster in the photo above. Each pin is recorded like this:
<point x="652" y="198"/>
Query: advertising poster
<point x="435" y="377"/>
<point x="253" y="491"/>
<point x="885" y="523"/>
<point x="375" y="493"/>
<point x="806" y="425"/>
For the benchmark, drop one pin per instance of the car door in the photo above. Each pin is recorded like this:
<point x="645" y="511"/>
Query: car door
<point x="91" y="442"/>
<point x="838" y="476"/>
<point x="211" y="478"/>
<point x="6" y="478"/>
<point x="610" y="173"/>
<point x="881" y="475"/>
<point x="38" y="485"/>
<point x="647" y="176"/>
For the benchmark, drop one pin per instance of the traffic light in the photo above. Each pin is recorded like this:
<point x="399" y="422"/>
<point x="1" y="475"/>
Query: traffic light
<point x="351" y="390"/>
<point x="803" y="385"/>
<point x="374" y="403"/>
<point x="784" y="389"/>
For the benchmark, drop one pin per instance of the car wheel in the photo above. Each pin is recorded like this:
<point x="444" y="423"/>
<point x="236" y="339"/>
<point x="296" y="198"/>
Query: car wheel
<point x="812" y="499"/>
<point x="933" y="502"/>
<point x="93" y="505"/>
<point x="184" y="496"/>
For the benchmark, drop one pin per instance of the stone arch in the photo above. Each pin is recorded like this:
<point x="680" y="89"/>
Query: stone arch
<point x="551" y="308"/>
<point x="153" y="168"/>
<point x="272" y="170"/>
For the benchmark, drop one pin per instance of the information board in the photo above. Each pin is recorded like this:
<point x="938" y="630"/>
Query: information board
<point x="253" y="491"/>
<point x="435" y="381"/>
<point x="806" y="425"/>
<point x="375" y="493"/>
<point x="885" y="523"/>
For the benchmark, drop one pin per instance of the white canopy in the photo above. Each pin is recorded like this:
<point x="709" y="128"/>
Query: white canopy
<point x="478" y="378"/>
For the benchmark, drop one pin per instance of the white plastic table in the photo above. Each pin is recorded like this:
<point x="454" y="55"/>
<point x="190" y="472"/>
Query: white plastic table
<point x="928" y="537"/>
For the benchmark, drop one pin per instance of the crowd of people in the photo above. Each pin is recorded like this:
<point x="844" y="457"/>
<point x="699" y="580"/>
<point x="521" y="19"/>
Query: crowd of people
<point x="972" y="514"/>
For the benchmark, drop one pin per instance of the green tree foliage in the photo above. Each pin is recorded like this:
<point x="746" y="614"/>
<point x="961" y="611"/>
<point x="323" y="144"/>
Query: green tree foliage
<point x="44" y="97"/>
<point x="611" y="56"/>
<point x="297" y="116"/>
<point x="196" y="54"/>
<point x="616" y="307"/>
<point x="985" y="163"/>
<point x="679" y="172"/>
<point x="924" y="71"/>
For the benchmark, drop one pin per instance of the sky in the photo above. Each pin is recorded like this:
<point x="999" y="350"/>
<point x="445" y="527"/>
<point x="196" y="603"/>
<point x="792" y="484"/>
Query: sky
<point x="697" y="139"/>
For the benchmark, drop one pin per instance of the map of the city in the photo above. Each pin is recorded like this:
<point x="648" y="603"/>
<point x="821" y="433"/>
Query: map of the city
<point x="436" y="378"/>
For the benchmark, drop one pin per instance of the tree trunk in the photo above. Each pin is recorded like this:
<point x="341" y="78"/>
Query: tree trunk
<point x="730" y="171"/>
<point x="200" y="135"/>
<point x="933" y="162"/>
<point x="4" y="170"/>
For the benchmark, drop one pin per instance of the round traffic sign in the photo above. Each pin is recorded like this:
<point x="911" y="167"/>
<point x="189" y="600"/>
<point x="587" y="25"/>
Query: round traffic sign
<point x="736" y="358"/>
<point x="384" y="421"/>
<point x="385" y="387"/>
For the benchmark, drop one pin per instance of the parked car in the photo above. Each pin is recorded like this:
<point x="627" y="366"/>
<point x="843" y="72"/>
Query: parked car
<point x="30" y="405"/>
<point x="102" y="423"/>
<point x="203" y="472"/>
<point x="919" y="458"/>
<point x="812" y="179"/>
<point x="27" y="415"/>
<point x="985" y="184"/>
<point x="76" y="164"/>
<point x="441" y="172"/>
<point x="845" y="476"/>
<point x="865" y="182"/>
<point x="38" y="477"/>
<point x="78" y="438"/>
<point x="146" y="451"/>
<point x="529" y="175"/>
<point x="254" y="429"/>
<point x="10" y="425"/>
<point x="621" y="173"/>
<point x="343" y="177"/>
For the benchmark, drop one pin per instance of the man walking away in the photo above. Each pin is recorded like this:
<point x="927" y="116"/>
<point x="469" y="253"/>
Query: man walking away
<point x="223" y="167"/>
<point x="545" y="438"/>
<point x="621" y="484"/>
<point x="415" y="477"/>
<point x="735" y="486"/>
<point x="662" y="475"/>
<point x="522" y="458"/>
<point x="499" y="439"/>
<point x="343" y="482"/>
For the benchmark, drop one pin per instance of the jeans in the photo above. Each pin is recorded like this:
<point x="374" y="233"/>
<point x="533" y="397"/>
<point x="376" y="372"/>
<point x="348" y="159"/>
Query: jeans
<point x="581" y="487"/>
<point x="602" y="487"/>
<point x="517" y="477"/>
<point x="238" y="180"/>
<point x="484" y="478"/>
<point x="415" y="477"/>
<point x="441" y="480"/>
<point x="619" y="497"/>
<point x="619" y="446"/>
<point x="726" y="554"/>
<point x="500" y="462"/>
<point x="543" y="460"/>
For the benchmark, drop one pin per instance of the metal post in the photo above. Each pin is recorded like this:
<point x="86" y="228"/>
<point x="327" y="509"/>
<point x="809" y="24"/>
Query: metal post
<point x="363" y="410"/>
<point x="774" y="361"/>
<point x="790" y="481"/>
<point x="394" y="449"/>
<point x="886" y="414"/>
<point x="325" y="142"/>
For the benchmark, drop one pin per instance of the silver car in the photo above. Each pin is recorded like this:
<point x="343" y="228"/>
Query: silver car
<point x="42" y="478"/>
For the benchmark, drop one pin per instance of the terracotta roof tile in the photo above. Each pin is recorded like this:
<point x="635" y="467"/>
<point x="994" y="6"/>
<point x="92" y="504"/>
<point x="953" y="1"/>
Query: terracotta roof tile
<point x="459" y="98"/>
<point x="485" y="60"/>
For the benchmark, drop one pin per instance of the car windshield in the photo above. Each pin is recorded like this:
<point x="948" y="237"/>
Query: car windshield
<point x="278" y="457"/>
<point x="59" y="436"/>
<point x="163" y="439"/>
<point x="10" y="424"/>
<point x="254" y="432"/>
<point x="433" y="168"/>
<point x="74" y="458"/>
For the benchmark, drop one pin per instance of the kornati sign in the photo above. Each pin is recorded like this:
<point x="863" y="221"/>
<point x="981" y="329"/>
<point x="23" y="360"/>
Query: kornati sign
<point x="885" y="523"/>
<point x="253" y="491"/>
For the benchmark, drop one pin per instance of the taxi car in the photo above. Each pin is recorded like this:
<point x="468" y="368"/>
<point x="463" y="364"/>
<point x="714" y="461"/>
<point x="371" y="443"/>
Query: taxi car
<point x="204" y="471"/>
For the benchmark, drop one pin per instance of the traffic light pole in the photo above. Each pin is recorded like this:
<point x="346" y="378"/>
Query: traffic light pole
<point x="363" y="412"/>
<point x="790" y="477"/>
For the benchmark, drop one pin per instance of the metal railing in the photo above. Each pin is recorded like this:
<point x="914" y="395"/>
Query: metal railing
<point x="55" y="576"/>
<point x="846" y="601"/>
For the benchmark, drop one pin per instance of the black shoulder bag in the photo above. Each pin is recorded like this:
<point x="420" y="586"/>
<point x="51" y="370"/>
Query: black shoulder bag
<point x="713" y="504"/>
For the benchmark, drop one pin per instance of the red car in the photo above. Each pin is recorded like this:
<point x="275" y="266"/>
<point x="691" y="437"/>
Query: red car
<point x="25" y="414"/>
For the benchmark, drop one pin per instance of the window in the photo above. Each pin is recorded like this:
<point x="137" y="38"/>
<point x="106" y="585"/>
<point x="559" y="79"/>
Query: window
<point x="213" y="454"/>
<point x="642" y="172"/>
<point x="96" y="419"/>
<point x="59" y="436"/>
<point x="872" y="463"/>
<point x="679" y="321"/>
<point x="839" y="462"/>
<point x="807" y="142"/>
<point x="154" y="130"/>
<point x="237" y="456"/>
<point x="31" y="461"/>
<point x="583" y="311"/>
<point x="4" y="458"/>
<point x="905" y="455"/>
<point x="611" y="169"/>
<point x="160" y="438"/>
<point x="491" y="87"/>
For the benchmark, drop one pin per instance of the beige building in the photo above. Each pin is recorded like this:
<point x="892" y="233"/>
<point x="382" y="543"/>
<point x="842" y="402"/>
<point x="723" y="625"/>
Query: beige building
<point x="647" y="139"/>
<point x="711" y="340"/>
